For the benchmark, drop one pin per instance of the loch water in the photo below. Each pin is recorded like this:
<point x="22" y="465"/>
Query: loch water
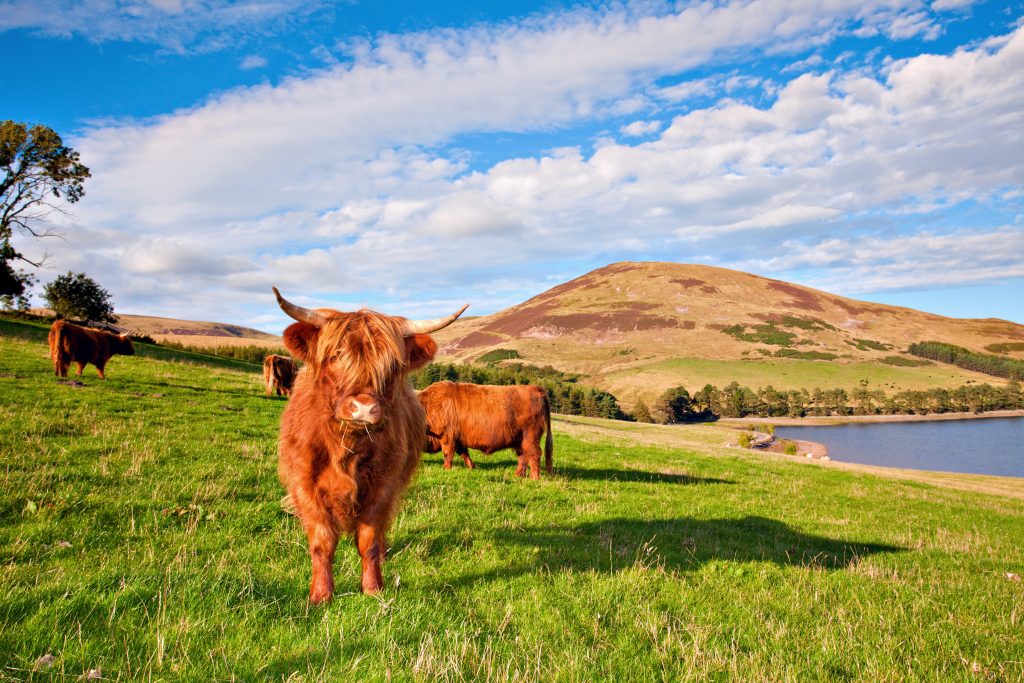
<point x="981" y="446"/>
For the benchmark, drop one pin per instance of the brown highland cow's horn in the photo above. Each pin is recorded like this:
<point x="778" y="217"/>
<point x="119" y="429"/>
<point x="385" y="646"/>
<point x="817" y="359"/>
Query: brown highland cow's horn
<point x="428" y="326"/>
<point x="303" y="315"/>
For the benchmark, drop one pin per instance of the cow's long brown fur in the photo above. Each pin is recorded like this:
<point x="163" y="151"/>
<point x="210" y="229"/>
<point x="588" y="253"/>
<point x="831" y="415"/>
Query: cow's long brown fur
<point x="347" y="477"/>
<point x="71" y="343"/>
<point x="488" y="419"/>
<point x="279" y="374"/>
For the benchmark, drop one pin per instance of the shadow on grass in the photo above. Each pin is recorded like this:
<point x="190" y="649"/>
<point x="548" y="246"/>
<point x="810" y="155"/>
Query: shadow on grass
<point x="590" y="474"/>
<point x="678" y="544"/>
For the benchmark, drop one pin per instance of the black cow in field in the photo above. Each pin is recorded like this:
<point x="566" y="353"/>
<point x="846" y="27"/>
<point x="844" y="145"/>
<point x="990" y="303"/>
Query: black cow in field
<point x="70" y="342"/>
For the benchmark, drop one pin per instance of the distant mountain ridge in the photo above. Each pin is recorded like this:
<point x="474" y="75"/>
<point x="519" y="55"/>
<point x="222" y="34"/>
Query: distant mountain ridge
<point x="189" y="332"/>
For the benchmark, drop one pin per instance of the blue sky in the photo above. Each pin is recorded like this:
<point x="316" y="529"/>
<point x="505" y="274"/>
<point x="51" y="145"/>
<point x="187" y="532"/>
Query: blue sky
<point x="411" y="157"/>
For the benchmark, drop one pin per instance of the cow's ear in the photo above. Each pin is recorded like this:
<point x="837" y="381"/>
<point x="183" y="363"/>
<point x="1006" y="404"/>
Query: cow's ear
<point x="419" y="350"/>
<point x="300" y="339"/>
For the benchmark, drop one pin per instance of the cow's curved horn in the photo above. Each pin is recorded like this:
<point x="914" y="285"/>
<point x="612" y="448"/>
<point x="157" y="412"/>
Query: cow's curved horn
<point x="428" y="326"/>
<point x="303" y="315"/>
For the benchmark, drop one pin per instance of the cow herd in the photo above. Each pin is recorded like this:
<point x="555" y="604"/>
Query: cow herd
<point x="353" y="431"/>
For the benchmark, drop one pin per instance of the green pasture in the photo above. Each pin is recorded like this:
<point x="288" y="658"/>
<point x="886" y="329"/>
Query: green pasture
<point x="641" y="381"/>
<point x="142" y="537"/>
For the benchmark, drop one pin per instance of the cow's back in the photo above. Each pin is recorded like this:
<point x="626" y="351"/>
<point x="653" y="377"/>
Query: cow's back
<point x="73" y="343"/>
<point x="485" y="418"/>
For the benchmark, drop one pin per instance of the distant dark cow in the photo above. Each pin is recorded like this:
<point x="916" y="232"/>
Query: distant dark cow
<point x="489" y="419"/>
<point x="279" y="374"/>
<point x="352" y="433"/>
<point x="73" y="343"/>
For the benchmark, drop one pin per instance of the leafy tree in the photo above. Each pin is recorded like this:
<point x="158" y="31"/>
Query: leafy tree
<point x="76" y="295"/>
<point x="40" y="174"/>
<point x="674" y="405"/>
<point x="642" y="413"/>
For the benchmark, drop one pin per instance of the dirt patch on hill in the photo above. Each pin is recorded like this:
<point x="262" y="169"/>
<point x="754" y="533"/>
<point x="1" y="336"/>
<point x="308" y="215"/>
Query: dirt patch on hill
<point x="617" y="268"/>
<point x="517" y="322"/>
<point x="474" y="340"/>
<point x="582" y="282"/>
<point x="623" y="321"/>
<point x="800" y="298"/>
<point x="202" y="332"/>
<point x="854" y="309"/>
<point x="687" y="282"/>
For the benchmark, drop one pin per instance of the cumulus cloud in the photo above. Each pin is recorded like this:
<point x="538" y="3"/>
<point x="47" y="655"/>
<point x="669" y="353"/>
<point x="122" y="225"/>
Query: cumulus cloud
<point x="641" y="128"/>
<point x="344" y="181"/>
<point x="174" y="24"/>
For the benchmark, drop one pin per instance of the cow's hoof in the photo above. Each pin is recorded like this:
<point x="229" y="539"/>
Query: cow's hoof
<point x="320" y="593"/>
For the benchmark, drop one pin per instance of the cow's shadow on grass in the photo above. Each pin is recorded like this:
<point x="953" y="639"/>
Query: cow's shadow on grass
<point x="592" y="474"/>
<point x="677" y="544"/>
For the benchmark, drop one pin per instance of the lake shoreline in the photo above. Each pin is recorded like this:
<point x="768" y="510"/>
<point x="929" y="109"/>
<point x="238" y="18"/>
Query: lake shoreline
<point x="821" y="421"/>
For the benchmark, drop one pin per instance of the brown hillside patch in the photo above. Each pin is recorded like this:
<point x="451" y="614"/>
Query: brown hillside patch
<point x="516" y="322"/>
<point x="710" y="289"/>
<point x="850" y="308"/>
<point x="617" y="269"/>
<point x="619" y="321"/>
<point x="687" y="282"/>
<point x="801" y="298"/>
<point x="582" y="282"/>
<point x="631" y="305"/>
<point x="474" y="340"/>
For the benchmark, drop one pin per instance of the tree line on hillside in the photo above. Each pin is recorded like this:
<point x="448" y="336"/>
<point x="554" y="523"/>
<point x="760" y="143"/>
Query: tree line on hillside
<point x="997" y="366"/>
<point x="677" y="405"/>
<point x="250" y="353"/>
<point x="566" y="396"/>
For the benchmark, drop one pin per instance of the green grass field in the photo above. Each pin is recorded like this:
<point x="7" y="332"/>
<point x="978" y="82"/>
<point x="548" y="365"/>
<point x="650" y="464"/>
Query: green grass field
<point x="141" y="535"/>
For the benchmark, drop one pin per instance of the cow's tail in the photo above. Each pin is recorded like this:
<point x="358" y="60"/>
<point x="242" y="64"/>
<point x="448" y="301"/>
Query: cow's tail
<point x="60" y="350"/>
<point x="548" y="445"/>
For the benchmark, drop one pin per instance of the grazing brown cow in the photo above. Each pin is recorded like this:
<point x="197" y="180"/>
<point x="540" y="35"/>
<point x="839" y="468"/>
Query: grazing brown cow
<point x="489" y="419"/>
<point x="353" y="431"/>
<point x="279" y="374"/>
<point x="73" y="343"/>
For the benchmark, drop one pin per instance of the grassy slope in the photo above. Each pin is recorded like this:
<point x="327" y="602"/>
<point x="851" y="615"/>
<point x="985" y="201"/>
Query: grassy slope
<point x="33" y="331"/>
<point x="693" y="373"/>
<point x="632" y="562"/>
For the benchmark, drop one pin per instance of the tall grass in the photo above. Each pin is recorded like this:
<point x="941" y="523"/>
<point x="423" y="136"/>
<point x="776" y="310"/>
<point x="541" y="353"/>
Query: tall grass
<point x="141" y="536"/>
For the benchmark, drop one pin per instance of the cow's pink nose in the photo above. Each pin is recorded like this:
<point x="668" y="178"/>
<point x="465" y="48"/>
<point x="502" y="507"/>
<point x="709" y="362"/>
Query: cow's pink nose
<point x="365" y="409"/>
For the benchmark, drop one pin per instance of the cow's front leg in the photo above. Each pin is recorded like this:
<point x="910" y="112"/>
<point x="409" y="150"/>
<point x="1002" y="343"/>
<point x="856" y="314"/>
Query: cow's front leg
<point x="521" y="463"/>
<point x="81" y="367"/>
<point x="323" y="540"/>
<point x="371" y="544"/>
<point x="448" y="448"/>
<point x="464" y="452"/>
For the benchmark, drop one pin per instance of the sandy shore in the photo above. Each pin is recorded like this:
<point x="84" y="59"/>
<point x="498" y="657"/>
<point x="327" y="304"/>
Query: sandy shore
<point x="848" y="419"/>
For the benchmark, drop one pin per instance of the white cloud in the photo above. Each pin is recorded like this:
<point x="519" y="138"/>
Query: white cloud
<point x="253" y="62"/>
<point x="174" y="24"/>
<point x="340" y="182"/>
<point x="943" y="5"/>
<point x="686" y="90"/>
<point x="641" y="128"/>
